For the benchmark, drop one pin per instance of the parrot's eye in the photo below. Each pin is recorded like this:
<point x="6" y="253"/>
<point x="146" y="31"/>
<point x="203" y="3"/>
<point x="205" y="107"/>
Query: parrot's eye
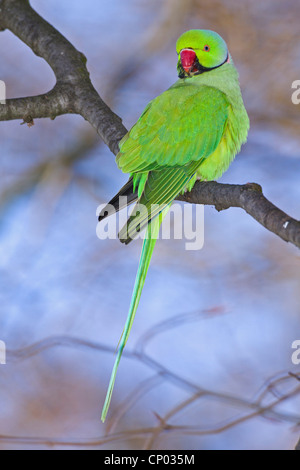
<point x="206" y="48"/>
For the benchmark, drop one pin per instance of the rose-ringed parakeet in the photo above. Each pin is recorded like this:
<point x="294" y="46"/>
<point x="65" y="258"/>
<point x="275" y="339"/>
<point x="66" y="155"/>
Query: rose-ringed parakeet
<point x="192" y="130"/>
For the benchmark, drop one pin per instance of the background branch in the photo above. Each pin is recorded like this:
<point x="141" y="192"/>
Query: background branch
<point x="75" y="93"/>
<point x="266" y="405"/>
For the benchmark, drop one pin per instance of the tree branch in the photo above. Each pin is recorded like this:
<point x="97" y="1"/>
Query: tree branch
<point x="74" y="93"/>
<point x="250" y="198"/>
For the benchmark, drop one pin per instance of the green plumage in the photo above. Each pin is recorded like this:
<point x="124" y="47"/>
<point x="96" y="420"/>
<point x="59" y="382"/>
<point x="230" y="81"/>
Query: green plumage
<point x="192" y="130"/>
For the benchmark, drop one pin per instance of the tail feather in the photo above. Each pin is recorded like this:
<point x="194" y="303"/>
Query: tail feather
<point x="160" y="190"/>
<point x="147" y="250"/>
<point x="129" y="196"/>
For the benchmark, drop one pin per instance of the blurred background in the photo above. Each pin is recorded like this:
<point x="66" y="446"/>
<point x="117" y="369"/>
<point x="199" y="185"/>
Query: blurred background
<point x="208" y="363"/>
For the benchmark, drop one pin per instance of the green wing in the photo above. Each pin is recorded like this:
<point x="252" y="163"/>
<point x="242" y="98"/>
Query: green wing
<point x="164" y="149"/>
<point x="161" y="188"/>
<point x="183" y="124"/>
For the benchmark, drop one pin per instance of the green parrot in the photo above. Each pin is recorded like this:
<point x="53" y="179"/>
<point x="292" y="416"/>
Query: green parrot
<point x="191" y="131"/>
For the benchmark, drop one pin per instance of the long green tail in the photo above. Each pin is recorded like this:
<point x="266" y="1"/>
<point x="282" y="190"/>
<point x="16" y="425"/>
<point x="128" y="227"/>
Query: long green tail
<point x="147" y="250"/>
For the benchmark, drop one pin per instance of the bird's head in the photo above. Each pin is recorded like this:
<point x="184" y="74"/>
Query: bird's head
<point x="199" y="51"/>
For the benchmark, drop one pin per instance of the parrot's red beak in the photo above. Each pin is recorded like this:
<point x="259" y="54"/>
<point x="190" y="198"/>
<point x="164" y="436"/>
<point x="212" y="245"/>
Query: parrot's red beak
<point x="188" y="58"/>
